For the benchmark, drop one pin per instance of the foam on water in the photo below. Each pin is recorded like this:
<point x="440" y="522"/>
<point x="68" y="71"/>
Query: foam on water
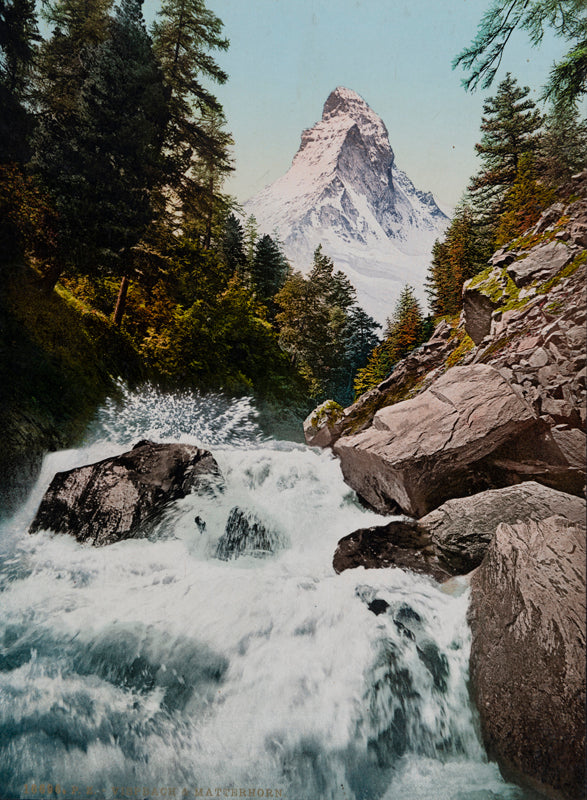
<point x="153" y="663"/>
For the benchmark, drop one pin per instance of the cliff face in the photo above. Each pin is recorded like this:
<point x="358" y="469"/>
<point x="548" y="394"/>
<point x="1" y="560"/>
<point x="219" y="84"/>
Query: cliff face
<point x="521" y="340"/>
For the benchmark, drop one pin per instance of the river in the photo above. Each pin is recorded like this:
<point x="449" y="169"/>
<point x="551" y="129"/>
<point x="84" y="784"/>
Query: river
<point x="151" y="668"/>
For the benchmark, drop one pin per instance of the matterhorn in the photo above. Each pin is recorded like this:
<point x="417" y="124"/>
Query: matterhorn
<point x="345" y="192"/>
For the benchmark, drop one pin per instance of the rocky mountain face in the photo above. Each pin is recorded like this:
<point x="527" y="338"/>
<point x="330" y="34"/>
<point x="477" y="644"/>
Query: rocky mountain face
<point x="345" y="191"/>
<point x="480" y="434"/>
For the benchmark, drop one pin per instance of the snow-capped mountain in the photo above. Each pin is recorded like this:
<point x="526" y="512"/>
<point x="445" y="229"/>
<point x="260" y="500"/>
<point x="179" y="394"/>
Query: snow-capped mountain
<point x="344" y="191"/>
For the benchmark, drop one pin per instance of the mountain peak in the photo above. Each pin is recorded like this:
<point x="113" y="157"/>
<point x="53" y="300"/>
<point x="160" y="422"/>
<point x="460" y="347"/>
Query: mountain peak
<point x="343" y="101"/>
<point x="344" y="191"/>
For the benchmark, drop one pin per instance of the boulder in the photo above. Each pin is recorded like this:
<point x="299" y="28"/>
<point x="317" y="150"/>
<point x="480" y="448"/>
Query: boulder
<point x="123" y="497"/>
<point x="400" y="544"/>
<point x="541" y="263"/>
<point x="527" y="617"/>
<point x="478" y="310"/>
<point x="246" y="535"/>
<point x="461" y="529"/>
<point x="322" y="426"/>
<point x="421" y="452"/>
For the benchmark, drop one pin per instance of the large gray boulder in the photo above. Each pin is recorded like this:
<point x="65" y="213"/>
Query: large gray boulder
<point x="541" y="263"/>
<point x="421" y="452"/>
<point x="461" y="529"/>
<point x="527" y="616"/>
<point x="123" y="497"/>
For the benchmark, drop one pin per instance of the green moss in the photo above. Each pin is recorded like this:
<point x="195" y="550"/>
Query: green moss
<point x="496" y="346"/>
<point x="530" y="240"/>
<point x="554" y="308"/>
<point x="514" y="303"/>
<point x="481" y="277"/>
<point x="565" y="272"/>
<point x="368" y="410"/>
<point x="465" y="345"/>
<point x="328" y="413"/>
<point x="502" y="291"/>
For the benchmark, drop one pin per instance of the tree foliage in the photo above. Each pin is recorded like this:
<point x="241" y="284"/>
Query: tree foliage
<point x="185" y="35"/>
<point x="562" y="149"/>
<point x="524" y="203"/>
<point x="567" y="18"/>
<point x="510" y="126"/>
<point x="455" y="259"/>
<point x="322" y="329"/>
<point x="405" y="330"/>
<point x="18" y="38"/>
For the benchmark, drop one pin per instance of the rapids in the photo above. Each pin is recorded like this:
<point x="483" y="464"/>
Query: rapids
<point x="150" y="668"/>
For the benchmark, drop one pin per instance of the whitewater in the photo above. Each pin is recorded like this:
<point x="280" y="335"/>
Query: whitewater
<point x="151" y="668"/>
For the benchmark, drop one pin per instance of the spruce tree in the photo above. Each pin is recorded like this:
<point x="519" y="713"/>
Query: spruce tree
<point x="405" y="330"/>
<point x="102" y="171"/>
<point x="268" y="270"/>
<point x="232" y="246"/>
<point x="78" y="27"/>
<point x="563" y="146"/>
<point x="524" y="203"/>
<point x="458" y="257"/>
<point x="510" y="124"/>
<point x="18" y="39"/>
<point x="510" y="127"/>
<point x="184" y="36"/>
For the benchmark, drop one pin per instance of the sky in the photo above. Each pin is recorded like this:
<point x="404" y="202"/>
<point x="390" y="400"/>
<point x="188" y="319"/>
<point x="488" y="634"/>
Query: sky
<point x="286" y="56"/>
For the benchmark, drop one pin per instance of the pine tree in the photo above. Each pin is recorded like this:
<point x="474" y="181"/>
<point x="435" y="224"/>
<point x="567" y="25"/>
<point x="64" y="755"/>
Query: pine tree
<point x="269" y="269"/>
<point x="184" y="35"/>
<point x="313" y="325"/>
<point x="251" y="235"/>
<point x="18" y="38"/>
<point x="510" y="125"/>
<point x="102" y="172"/>
<point x="405" y="330"/>
<point x="460" y="256"/>
<point x="567" y="18"/>
<point x="232" y="246"/>
<point x="524" y="203"/>
<point x="563" y="146"/>
<point x="78" y="27"/>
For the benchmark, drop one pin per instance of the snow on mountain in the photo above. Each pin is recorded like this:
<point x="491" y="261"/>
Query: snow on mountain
<point x="344" y="191"/>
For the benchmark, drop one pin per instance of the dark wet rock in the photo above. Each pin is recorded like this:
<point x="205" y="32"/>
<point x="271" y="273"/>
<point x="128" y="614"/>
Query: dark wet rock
<point x="247" y="535"/>
<point x="397" y="544"/>
<point x="200" y="523"/>
<point x="123" y="497"/>
<point x="461" y="529"/>
<point x="378" y="606"/>
<point x="527" y="617"/>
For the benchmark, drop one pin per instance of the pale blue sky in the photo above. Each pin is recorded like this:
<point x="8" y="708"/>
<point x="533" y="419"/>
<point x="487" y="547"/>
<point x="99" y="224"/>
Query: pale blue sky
<point x="286" y="56"/>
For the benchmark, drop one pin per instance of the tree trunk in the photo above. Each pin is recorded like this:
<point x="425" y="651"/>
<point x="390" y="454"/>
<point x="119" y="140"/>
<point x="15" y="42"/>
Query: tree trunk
<point x="120" y="301"/>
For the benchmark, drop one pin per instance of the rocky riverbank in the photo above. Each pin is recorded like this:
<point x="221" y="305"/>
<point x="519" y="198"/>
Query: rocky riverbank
<point x="479" y="434"/>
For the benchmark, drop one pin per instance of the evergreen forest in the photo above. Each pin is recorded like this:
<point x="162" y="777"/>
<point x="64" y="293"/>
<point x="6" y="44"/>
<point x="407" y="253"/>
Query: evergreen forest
<point x="121" y="256"/>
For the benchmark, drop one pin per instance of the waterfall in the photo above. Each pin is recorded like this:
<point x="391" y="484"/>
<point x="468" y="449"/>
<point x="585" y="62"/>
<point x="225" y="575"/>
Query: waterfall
<point x="155" y="668"/>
